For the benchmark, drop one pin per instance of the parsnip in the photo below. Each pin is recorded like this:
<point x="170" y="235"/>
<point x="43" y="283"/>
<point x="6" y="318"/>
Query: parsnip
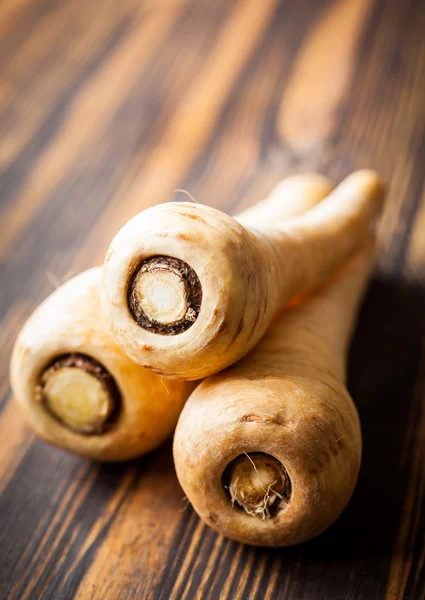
<point x="190" y="290"/>
<point x="268" y="451"/>
<point x="78" y="389"/>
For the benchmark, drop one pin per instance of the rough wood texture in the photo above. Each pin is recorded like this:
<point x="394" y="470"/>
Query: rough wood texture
<point x="107" y="107"/>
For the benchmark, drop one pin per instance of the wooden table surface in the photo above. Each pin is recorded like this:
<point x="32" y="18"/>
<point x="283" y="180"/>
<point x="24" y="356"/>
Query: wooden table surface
<point x="108" y="107"/>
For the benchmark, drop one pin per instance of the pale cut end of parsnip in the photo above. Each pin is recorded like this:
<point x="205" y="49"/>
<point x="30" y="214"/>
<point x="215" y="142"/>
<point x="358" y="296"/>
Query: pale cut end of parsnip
<point x="164" y="295"/>
<point x="258" y="483"/>
<point x="79" y="393"/>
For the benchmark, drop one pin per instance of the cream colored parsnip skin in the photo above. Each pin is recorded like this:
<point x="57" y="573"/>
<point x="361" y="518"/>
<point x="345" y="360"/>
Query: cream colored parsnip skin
<point x="285" y="402"/>
<point x="227" y="277"/>
<point x="77" y="388"/>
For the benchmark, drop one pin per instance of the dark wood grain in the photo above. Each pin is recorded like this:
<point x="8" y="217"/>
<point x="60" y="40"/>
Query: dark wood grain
<point x="108" y="107"/>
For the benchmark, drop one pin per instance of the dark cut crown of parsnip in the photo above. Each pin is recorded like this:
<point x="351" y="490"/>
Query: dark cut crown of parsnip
<point x="190" y="290"/>
<point x="268" y="451"/>
<point x="78" y="389"/>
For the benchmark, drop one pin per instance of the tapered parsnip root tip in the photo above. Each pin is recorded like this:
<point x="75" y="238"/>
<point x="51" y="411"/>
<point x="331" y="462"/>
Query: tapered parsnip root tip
<point x="372" y="182"/>
<point x="80" y="393"/>
<point x="164" y="295"/>
<point x="258" y="483"/>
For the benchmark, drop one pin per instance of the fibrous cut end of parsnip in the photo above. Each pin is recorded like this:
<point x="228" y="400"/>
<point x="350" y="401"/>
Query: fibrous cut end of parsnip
<point x="164" y="295"/>
<point x="258" y="484"/>
<point x="80" y="393"/>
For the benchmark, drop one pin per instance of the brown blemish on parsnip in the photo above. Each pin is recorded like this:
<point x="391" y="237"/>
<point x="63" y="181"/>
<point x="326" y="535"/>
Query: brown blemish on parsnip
<point x="222" y="327"/>
<point x="193" y="217"/>
<point x="238" y="330"/>
<point x="258" y="419"/>
<point x="176" y="236"/>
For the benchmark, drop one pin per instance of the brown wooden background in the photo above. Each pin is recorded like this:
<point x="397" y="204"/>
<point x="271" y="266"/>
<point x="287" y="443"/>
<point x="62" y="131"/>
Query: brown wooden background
<point x="107" y="107"/>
